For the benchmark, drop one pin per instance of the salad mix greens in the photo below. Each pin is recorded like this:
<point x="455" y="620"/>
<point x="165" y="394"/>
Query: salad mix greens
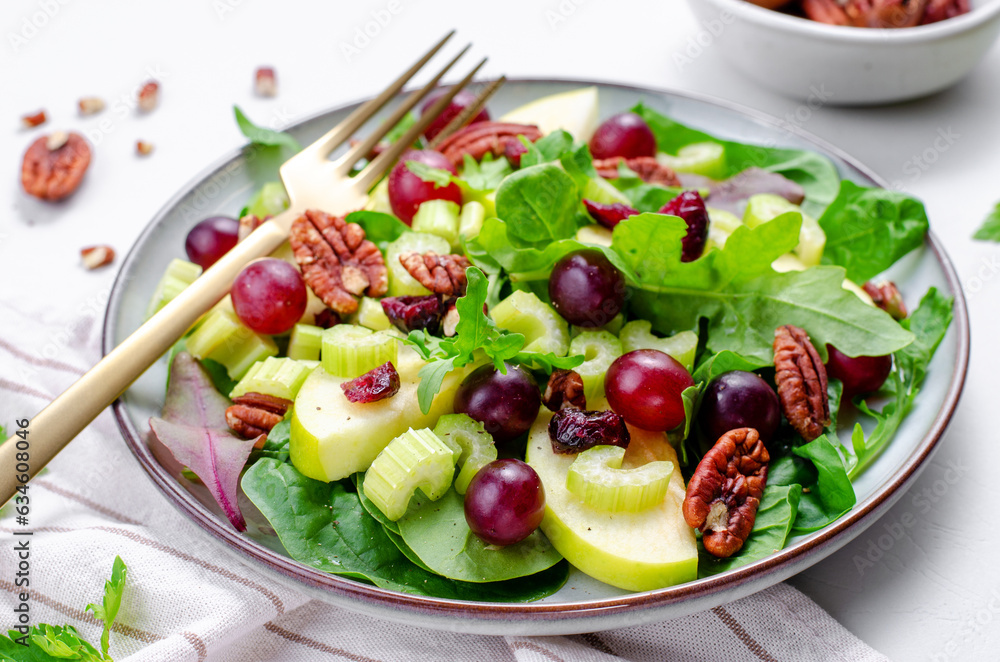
<point x="349" y="439"/>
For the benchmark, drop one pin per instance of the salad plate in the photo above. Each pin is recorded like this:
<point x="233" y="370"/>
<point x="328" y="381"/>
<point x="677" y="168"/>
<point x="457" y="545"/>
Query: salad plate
<point x="583" y="604"/>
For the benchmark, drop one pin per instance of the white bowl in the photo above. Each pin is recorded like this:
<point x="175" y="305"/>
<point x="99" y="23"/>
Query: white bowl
<point x="828" y="64"/>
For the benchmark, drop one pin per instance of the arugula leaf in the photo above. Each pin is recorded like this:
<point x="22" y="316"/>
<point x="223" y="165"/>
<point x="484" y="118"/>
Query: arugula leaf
<point x="107" y="611"/>
<point x="485" y="175"/>
<point x="741" y="297"/>
<point x="775" y="516"/>
<point x="436" y="176"/>
<point x="814" y="172"/>
<point x="869" y="229"/>
<point x="379" y="227"/>
<point x="832" y="495"/>
<point x="990" y="229"/>
<point x="259" y="135"/>
<point x="540" y="204"/>
<point x="548" y="361"/>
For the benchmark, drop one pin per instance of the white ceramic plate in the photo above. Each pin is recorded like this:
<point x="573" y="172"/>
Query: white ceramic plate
<point x="583" y="605"/>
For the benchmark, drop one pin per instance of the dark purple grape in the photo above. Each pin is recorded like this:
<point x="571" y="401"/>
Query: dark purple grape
<point x="269" y="296"/>
<point x="690" y="207"/>
<point x="860" y="374"/>
<point x="505" y="502"/>
<point x="626" y="135"/>
<point x="459" y="102"/>
<point x="586" y="289"/>
<point x="576" y="430"/>
<point x="506" y="405"/>
<point x="739" y="399"/>
<point x="609" y="215"/>
<point x="407" y="191"/>
<point x="645" y="386"/>
<point x="210" y="239"/>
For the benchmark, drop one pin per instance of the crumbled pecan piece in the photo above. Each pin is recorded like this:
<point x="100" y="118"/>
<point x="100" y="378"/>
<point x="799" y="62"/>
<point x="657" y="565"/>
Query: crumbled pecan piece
<point x="647" y="167"/>
<point x="97" y="256"/>
<point x="564" y="390"/>
<point x="248" y="224"/>
<point x="149" y="96"/>
<point x="441" y="274"/>
<point x="254" y="414"/>
<point x="54" y="174"/>
<point x="143" y="148"/>
<point x="33" y="120"/>
<point x="802" y="382"/>
<point x="725" y="490"/>
<point x="265" y="83"/>
<point x="337" y="262"/>
<point x="480" y="138"/>
<point x="887" y="297"/>
<point x="90" y="105"/>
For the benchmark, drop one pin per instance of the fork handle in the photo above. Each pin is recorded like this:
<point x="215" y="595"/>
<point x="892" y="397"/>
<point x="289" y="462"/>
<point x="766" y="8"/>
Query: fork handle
<point x="56" y="425"/>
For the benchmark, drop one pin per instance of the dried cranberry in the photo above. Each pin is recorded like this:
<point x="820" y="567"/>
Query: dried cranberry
<point x="326" y="318"/>
<point x="609" y="215"/>
<point x="513" y="151"/>
<point x="690" y="207"/>
<point x="576" y="430"/>
<point x="376" y="384"/>
<point x="414" y="313"/>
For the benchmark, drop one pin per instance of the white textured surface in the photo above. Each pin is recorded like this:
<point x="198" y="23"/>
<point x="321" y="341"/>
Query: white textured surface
<point x="932" y="594"/>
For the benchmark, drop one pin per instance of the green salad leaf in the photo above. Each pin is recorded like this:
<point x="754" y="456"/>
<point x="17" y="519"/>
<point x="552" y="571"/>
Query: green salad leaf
<point x="990" y="229"/>
<point x="547" y="361"/>
<point x="540" y="204"/>
<point x="546" y="149"/>
<point x="436" y="176"/>
<point x="276" y="443"/>
<point x="869" y="229"/>
<point x="484" y="175"/>
<point x="259" y="135"/>
<point x="812" y="171"/>
<point x="713" y="365"/>
<point x="107" y="611"/>
<point x="832" y="495"/>
<point x="381" y="228"/>
<point x="402" y="126"/>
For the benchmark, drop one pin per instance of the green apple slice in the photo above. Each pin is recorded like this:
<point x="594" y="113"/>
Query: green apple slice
<point x="575" y="111"/>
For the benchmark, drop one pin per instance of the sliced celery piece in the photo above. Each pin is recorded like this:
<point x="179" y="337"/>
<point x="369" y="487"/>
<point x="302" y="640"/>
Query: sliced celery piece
<point x="273" y="376"/>
<point x="613" y="327"/>
<point x="270" y="200"/>
<point x="378" y="198"/>
<point x="600" y="190"/>
<point x="471" y="442"/>
<point x="438" y="217"/>
<point x="597" y="478"/>
<point x="765" y="207"/>
<point x="414" y="459"/>
<point x="638" y="334"/>
<point x="470" y="221"/>
<point x="223" y="338"/>
<point x="721" y="224"/>
<point x="401" y="283"/>
<point x="350" y="351"/>
<point x="179" y="274"/>
<point x="708" y="159"/>
<point x="599" y="350"/>
<point x="372" y="316"/>
<point x="305" y="342"/>
<point x="543" y="328"/>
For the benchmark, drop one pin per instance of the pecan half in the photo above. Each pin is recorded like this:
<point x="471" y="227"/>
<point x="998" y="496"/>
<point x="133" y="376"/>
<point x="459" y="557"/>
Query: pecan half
<point x="564" y="391"/>
<point x="480" y="138"/>
<point x="725" y="490"/>
<point x="90" y="105"/>
<point x="887" y="297"/>
<point x="53" y="174"/>
<point x="97" y="256"/>
<point x="248" y="224"/>
<point x="648" y="168"/>
<point x="32" y="120"/>
<point x="337" y="262"/>
<point x="441" y="274"/>
<point x="254" y="414"/>
<point x="802" y="381"/>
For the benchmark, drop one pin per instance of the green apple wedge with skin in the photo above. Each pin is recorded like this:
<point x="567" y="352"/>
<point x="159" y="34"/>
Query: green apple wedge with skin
<point x="638" y="551"/>
<point x="333" y="438"/>
<point x="575" y="111"/>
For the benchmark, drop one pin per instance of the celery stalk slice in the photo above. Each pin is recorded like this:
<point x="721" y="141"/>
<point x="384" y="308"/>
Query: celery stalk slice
<point x="470" y="442"/>
<point x="597" y="478"/>
<point x="281" y="378"/>
<point x="599" y="350"/>
<point x="416" y="459"/>
<point x="350" y="351"/>
<point x="305" y="342"/>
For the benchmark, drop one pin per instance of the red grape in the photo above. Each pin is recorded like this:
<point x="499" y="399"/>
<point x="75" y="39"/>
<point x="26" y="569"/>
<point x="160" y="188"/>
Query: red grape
<point x="626" y="135"/>
<point x="586" y="289"/>
<point x="269" y="296"/>
<point x="407" y="191"/>
<point x="210" y="239"/>
<point x="860" y="374"/>
<point x="739" y="399"/>
<point x="459" y="102"/>
<point x="506" y="405"/>
<point x="644" y="387"/>
<point x="505" y="502"/>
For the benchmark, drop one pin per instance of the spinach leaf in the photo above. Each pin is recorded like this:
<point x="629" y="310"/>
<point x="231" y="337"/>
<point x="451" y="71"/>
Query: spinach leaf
<point x="714" y="365"/>
<point x="485" y="175"/>
<point x="645" y="197"/>
<point x="379" y="227"/>
<point x="276" y="444"/>
<point x="539" y="204"/>
<point x="832" y="495"/>
<point x="791" y="470"/>
<point x="775" y="515"/>
<point x="259" y="135"/>
<point x="741" y="297"/>
<point x="990" y="230"/>
<point x="324" y="526"/>
<point x="869" y="229"/>
<point x="358" y="479"/>
<point x="547" y="148"/>
<point x="219" y="375"/>
<point x="814" y="172"/>
<point x="437" y="532"/>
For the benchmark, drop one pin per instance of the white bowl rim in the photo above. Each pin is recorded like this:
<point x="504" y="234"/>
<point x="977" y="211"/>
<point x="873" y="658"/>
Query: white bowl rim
<point x="837" y="33"/>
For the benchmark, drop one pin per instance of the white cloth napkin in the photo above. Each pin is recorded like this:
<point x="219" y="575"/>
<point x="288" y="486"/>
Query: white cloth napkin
<point x="185" y="600"/>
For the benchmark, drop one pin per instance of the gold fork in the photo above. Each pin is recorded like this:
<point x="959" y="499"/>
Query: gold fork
<point x="312" y="181"/>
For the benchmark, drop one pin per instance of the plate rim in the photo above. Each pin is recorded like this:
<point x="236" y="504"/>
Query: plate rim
<point x="766" y="572"/>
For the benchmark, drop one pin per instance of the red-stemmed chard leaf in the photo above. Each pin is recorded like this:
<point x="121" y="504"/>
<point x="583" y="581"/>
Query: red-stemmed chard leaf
<point x="193" y="426"/>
